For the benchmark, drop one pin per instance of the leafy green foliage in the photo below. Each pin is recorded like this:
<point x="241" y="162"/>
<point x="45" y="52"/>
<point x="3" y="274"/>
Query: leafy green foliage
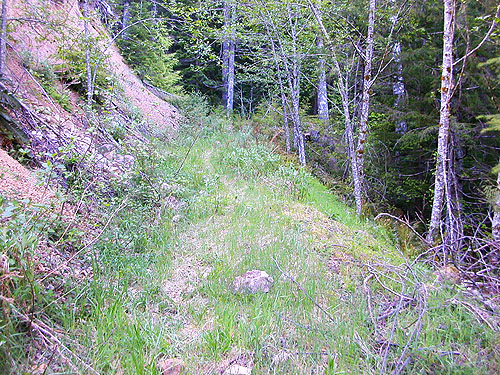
<point x="146" y="47"/>
<point x="251" y="161"/>
<point x="73" y="72"/>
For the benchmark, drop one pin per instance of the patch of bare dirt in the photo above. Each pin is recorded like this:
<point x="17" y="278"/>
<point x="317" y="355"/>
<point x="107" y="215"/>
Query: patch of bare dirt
<point x="17" y="182"/>
<point x="186" y="275"/>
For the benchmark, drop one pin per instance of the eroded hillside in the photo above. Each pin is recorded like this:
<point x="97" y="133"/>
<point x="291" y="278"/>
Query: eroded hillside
<point x="43" y="93"/>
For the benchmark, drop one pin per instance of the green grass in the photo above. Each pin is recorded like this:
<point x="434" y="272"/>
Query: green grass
<point x="162" y="276"/>
<point x="245" y="210"/>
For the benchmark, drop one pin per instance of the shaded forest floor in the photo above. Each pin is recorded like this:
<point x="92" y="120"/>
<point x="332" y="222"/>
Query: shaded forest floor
<point x="215" y="203"/>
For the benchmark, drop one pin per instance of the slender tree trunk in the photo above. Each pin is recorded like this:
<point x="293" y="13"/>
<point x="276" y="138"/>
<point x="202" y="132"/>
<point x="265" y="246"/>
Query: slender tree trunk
<point x="285" y="119"/>
<point x="230" y="75"/>
<point x="358" y="176"/>
<point x="295" y="90"/>
<point x="292" y="75"/>
<point x="284" y="101"/>
<point x="3" y="39"/>
<point x="453" y="193"/>
<point x="322" y="87"/>
<point x="343" y="86"/>
<point x="225" y="64"/>
<point x="444" y="118"/>
<point x="87" y="52"/>
<point x="496" y="215"/>
<point x="299" y="136"/>
<point x="228" y="52"/>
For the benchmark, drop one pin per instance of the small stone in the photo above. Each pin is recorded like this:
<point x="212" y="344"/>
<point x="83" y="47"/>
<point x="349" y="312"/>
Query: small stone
<point x="171" y="366"/>
<point x="252" y="282"/>
<point x="238" y="370"/>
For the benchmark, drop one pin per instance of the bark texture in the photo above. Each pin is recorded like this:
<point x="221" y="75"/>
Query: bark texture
<point x="322" y="86"/>
<point x="444" y="119"/>
<point x="359" y="157"/>
<point x="228" y="52"/>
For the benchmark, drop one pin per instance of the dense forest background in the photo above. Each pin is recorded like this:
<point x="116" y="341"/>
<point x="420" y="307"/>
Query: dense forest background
<point x="185" y="52"/>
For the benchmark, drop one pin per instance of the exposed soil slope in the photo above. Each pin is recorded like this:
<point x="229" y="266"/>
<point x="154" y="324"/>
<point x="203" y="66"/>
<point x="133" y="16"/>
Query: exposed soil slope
<point x="20" y="183"/>
<point x="37" y="31"/>
<point x="37" y="28"/>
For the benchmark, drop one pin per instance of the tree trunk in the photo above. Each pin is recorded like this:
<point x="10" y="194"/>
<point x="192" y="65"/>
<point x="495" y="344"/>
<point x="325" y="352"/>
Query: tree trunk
<point x="294" y="82"/>
<point x="358" y="175"/>
<point x="292" y="75"/>
<point x="322" y="87"/>
<point x="285" y="119"/>
<point x="453" y="191"/>
<point x="225" y="64"/>
<point x="228" y="51"/>
<point x="444" y="118"/>
<point x="230" y="76"/>
<point x="495" y="230"/>
<point x="284" y="102"/>
<point x="87" y="52"/>
<point x="299" y="136"/>
<point x="3" y="39"/>
<point x="343" y="87"/>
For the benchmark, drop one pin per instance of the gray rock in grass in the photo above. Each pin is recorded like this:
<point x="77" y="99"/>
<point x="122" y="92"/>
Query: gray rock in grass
<point x="252" y="282"/>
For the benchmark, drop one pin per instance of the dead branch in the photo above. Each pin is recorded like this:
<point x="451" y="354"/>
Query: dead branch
<point x="405" y="223"/>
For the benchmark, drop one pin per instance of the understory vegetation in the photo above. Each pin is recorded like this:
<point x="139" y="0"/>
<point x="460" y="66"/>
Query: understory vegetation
<point x="164" y="149"/>
<point x="153" y="278"/>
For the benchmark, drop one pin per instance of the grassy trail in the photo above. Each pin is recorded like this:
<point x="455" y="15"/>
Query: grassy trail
<point x="236" y="206"/>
